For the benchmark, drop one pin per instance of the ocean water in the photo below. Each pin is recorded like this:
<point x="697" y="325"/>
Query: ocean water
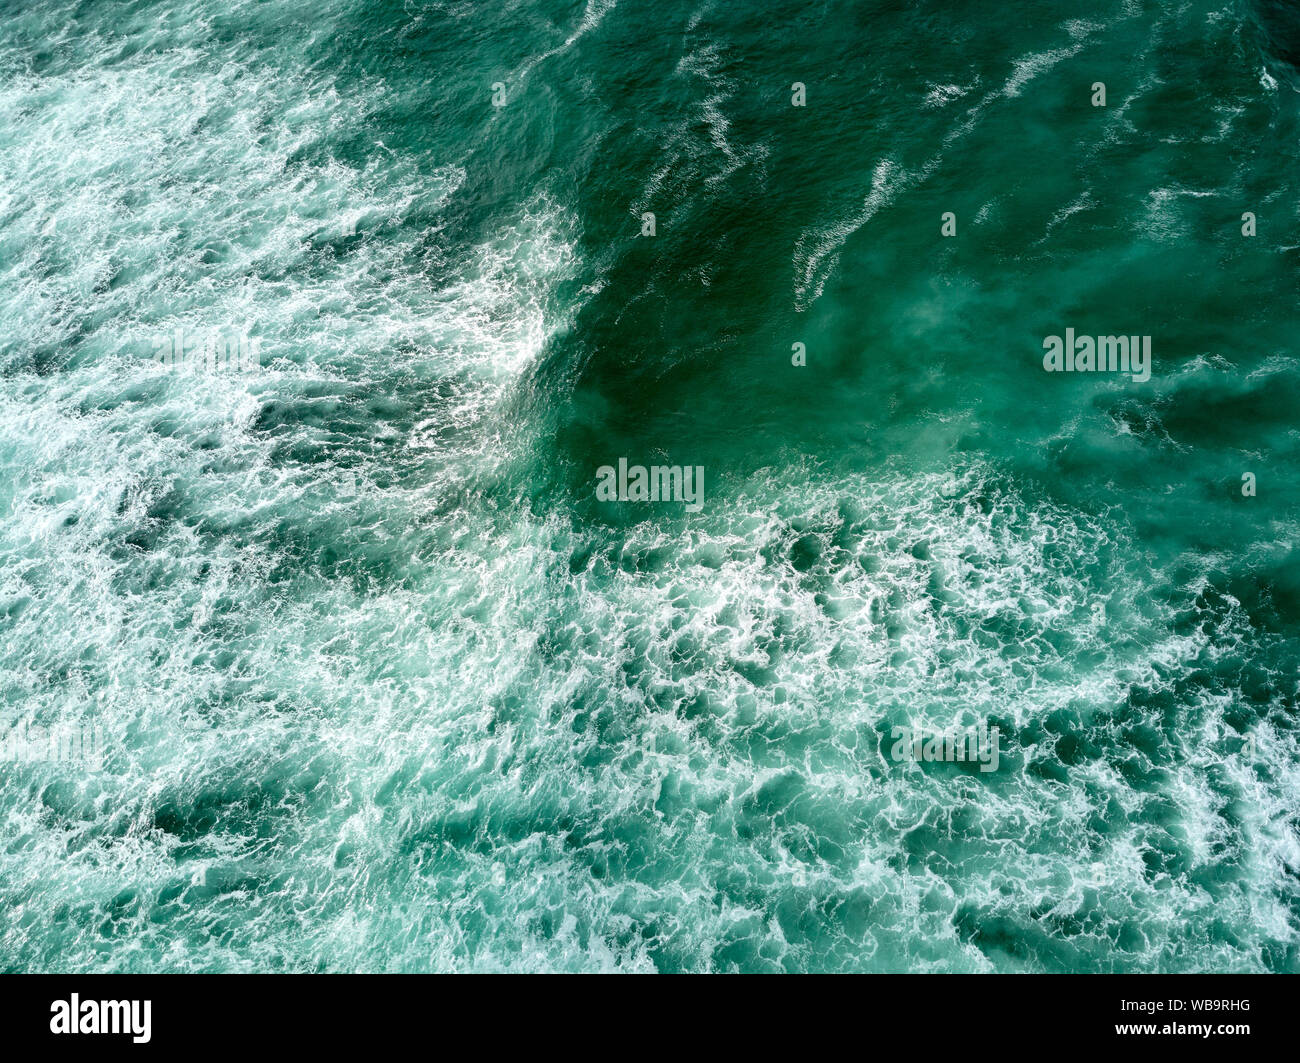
<point x="380" y="685"/>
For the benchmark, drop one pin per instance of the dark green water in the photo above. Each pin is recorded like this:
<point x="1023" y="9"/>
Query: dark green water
<point x="383" y="686"/>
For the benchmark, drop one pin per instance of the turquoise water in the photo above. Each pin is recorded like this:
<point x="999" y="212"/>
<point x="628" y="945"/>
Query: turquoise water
<point x="383" y="686"/>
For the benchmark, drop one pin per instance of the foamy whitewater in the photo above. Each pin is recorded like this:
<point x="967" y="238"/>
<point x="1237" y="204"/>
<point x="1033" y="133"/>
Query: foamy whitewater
<point x="383" y="685"/>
